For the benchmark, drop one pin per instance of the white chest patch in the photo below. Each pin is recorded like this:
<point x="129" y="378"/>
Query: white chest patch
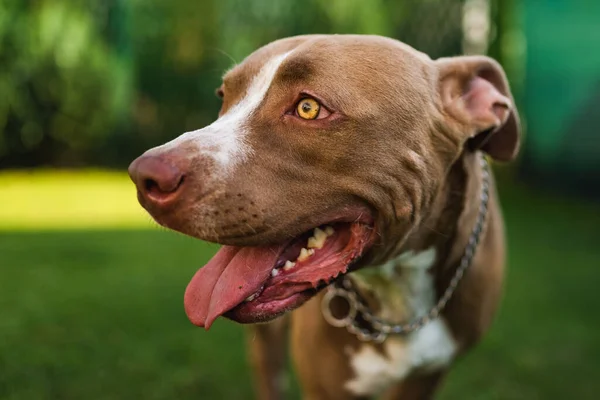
<point x="224" y="139"/>
<point x="405" y="289"/>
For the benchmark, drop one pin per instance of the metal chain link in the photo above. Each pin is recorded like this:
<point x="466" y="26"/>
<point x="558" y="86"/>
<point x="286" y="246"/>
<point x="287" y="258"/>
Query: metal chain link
<point x="380" y="329"/>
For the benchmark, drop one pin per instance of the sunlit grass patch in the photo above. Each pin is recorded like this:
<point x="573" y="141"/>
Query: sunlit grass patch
<point x="57" y="199"/>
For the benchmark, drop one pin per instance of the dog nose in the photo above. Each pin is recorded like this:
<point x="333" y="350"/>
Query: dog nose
<point x="157" y="181"/>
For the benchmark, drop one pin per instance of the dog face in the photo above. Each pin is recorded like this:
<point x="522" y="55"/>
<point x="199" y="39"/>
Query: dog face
<point x="351" y="135"/>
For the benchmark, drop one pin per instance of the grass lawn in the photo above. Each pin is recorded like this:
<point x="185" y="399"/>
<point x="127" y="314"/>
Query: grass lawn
<point x="98" y="313"/>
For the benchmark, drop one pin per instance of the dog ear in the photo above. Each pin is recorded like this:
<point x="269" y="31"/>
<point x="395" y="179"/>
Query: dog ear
<point x="475" y="92"/>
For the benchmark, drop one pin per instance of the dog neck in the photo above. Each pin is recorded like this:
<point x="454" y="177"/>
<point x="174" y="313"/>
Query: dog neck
<point x="405" y="286"/>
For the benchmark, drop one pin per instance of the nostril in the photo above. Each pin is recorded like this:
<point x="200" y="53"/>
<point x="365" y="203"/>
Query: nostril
<point x="150" y="185"/>
<point x="156" y="188"/>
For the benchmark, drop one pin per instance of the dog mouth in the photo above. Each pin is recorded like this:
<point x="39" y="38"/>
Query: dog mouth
<point x="258" y="284"/>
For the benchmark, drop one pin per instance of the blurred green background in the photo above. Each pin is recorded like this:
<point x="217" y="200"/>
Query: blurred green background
<point x="91" y="290"/>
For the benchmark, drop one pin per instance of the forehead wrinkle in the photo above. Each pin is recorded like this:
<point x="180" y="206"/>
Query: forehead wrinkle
<point x="295" y="70"/>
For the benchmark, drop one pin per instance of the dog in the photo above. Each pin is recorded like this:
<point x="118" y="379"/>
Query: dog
<point x="346" y="179"/>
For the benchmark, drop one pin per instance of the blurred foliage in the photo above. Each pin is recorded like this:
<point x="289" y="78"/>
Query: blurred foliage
<point x="63" y="87"/>
<point x="86" y="82"/>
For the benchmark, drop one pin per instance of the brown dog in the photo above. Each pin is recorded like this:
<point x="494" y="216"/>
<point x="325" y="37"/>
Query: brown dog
<point x="345" y="175"/>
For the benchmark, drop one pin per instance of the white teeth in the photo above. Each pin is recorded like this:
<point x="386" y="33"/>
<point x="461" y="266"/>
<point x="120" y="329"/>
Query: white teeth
<point x="274" y="272"/>
<point x="329" y="230"/>
<point x="288" y="265"/>
<point x="303" y="254"/>
<point x="317" y="240"/>
<point x="250" y="298"/>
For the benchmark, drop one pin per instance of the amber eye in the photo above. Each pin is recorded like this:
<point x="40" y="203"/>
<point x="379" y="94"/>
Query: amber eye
<point x="308" y="108"/>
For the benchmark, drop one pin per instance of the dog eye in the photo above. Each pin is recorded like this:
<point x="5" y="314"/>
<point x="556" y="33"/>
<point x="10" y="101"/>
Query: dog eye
<point x="308" y="108"/>
<point x="220" y="93"/>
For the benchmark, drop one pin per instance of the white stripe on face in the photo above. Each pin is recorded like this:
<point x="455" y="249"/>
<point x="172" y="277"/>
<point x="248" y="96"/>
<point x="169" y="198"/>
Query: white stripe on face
<point x="223" y="140"/>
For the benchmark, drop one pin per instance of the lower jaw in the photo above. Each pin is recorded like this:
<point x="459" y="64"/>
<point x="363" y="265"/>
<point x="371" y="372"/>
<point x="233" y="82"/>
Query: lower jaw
<point x="251" y="312"/>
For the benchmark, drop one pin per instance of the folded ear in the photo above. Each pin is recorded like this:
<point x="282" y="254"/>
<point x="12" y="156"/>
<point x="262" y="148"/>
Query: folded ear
<point x="475" y="92"/>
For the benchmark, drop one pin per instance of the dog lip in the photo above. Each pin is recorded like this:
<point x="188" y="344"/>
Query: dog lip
<point x="270" y="310"/>
<point x="261" y="237"/>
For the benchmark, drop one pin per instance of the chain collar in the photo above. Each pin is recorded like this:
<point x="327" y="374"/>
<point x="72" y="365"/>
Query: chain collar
<point x="359" y="314"/>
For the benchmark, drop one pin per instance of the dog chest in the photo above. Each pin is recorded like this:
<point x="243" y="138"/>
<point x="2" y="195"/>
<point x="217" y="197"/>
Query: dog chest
<point x="375" y="369"/>
<point x="404" y="287"/>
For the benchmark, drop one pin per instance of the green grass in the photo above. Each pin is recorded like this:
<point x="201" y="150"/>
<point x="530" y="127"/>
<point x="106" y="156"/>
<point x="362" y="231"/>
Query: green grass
<point x="98" y="314"/>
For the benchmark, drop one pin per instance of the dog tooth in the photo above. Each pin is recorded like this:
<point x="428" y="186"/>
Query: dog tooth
<point x="314" y="243"/>
<point x="304" y="254"/>
<point x="317" y="240"/>
<point x="318" y="234"/>
<point x="251" y="297"/>
<point x="274" y="272"/>
<point x="329" y="230"/>
<point x="288" y="265"/>
<point x="311" y="252"/>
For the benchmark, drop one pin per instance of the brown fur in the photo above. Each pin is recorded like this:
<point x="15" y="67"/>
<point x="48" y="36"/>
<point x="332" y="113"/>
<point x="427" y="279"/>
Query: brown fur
<point x="401" y="142"/>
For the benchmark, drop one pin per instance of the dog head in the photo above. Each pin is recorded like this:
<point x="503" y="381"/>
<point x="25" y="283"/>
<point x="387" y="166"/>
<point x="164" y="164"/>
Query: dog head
<point x="327" y="152"/>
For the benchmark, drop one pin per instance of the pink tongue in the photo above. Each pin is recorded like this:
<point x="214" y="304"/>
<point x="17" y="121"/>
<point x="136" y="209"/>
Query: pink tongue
<point x="232" y="275"/>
